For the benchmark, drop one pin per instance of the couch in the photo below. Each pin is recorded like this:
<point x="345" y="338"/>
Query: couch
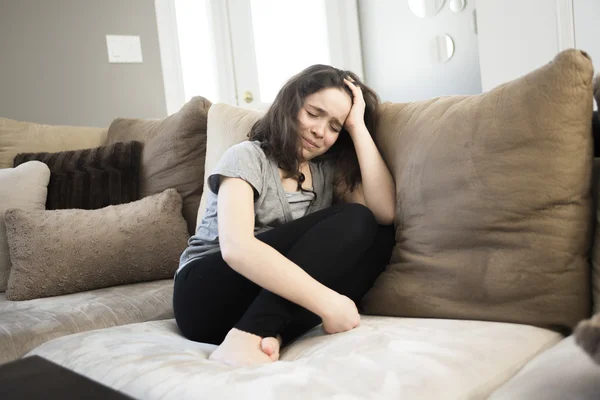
<point x="442" y="343"/>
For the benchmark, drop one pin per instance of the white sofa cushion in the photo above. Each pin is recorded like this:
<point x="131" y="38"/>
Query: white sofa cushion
<point x="384" y="358"/>
<point x="24" y="187"/>
<point x="25" y="325"/>
<point x="563" y="372"/>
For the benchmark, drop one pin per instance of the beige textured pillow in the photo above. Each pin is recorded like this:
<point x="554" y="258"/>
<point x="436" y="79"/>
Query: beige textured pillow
<point x="227" y="126"/>
<point x="66" y="251"/>
<point x="493" y="201"/>
<point x="173" y="155"/>
<point x="25" y="187"/>
<point x="27" y="137"/>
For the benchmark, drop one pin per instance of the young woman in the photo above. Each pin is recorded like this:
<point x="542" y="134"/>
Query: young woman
<point x="273" y="257"/>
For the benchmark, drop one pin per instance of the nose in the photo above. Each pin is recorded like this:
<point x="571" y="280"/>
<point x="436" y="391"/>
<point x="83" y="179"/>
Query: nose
<point x="318" y="129"/>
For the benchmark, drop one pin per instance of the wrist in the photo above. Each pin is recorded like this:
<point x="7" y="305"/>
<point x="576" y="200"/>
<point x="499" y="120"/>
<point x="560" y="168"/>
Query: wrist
<point x="323" y="300"/>
<point x="358" y="130"/>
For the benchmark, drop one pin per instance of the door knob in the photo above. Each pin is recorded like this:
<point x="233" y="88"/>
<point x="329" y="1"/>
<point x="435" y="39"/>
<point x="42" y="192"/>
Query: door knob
<point x="248" y="96"/>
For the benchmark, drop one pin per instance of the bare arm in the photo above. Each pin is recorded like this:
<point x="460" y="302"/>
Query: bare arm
<point x="259" y="262"/>
<point x="378" y="189"/>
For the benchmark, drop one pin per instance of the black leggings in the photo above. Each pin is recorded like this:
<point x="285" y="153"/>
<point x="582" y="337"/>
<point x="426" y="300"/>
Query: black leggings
<point x="342" y="247"/>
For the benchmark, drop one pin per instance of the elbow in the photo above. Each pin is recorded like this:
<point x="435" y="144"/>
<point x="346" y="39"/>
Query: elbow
<point x="228" y="252"/>
<point x="386" y="218"/>
<point x="232" y="250"/>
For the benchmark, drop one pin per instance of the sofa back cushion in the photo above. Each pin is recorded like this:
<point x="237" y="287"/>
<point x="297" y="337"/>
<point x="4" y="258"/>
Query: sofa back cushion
<point x="493" y="209"/>
<point x="24" y="187"/>
<point x="27" y="137"/>
<point x="173" y="154"/>
<point x="227" y="125"/>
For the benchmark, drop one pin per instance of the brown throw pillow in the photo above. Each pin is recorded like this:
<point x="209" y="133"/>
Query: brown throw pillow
<point x="91" y="178"/>
<point x="66" y="251"/>
<point x="493" y="201"/>
<point x="173" y="156"/>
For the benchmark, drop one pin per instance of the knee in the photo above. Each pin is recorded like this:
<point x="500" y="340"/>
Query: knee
<point x="358" y="223"/>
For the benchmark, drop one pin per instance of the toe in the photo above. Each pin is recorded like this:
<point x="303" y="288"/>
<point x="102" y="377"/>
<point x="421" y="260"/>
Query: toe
<point x="270" y="346"/>
<point x="267" y="348"/>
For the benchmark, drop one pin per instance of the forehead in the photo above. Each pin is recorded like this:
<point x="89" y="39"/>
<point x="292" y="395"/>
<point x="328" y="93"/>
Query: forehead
<point x="334" y="101"/>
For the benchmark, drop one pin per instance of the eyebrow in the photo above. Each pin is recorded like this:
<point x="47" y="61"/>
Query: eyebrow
<point x="319" y="109"/>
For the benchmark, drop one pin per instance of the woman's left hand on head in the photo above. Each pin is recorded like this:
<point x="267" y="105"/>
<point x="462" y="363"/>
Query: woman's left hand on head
<point x="356" y="118"/>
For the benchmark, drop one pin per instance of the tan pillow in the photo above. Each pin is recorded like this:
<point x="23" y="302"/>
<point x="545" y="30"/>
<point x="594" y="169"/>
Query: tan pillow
<point x="227" y="126"/>
<point x="66" y="251"/>
<point x="24" y="187"/>
<point x="493" y="201"/>
<point x="173" y="155"/>
<point x="27" y="137"/>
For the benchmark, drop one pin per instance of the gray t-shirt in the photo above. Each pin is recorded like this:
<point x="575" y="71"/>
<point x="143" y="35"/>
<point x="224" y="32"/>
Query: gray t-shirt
<point x="299" y="202"/>
<point x="247" y="161"/>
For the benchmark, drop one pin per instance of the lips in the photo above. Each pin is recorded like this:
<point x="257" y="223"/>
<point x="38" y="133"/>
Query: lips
<point x="310" y="143"/>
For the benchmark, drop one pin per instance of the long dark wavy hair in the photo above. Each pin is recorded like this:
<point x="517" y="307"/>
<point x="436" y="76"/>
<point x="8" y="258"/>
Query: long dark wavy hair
<point x="278" y="130"/>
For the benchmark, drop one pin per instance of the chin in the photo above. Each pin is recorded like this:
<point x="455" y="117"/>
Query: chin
<point x="308" y="155"/>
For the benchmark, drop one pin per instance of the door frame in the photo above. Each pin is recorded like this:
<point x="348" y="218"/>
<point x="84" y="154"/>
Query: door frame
<point x="565" y="24"/>
<point x="170" y="58"/>
<point x="221" y="33"/>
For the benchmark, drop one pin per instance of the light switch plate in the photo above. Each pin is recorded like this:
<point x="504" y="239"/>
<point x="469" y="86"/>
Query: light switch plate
<point x="124" y="49"/>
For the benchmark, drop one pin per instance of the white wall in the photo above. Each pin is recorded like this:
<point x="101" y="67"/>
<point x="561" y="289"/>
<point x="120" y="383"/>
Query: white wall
<point x="587" y="28"/>
<point x="515" y="37"/>
<point x="395" y="48"/>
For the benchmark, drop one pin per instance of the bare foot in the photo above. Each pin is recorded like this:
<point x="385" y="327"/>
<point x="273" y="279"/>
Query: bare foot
<point x="270" y="346"/>
<point x="242" y="348"/>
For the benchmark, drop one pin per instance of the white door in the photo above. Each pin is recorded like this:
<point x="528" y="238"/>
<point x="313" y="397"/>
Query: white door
<point x="241" y="52"/>
<point x="271" y="40"/>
